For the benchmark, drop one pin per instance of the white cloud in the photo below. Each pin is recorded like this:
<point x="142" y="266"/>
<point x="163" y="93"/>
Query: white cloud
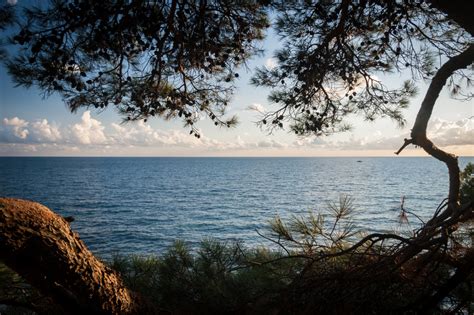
<point x="89" y="130"/>
<point x="257" y="107"/>
<point x="271" y="63"/>
<point x="44" y="132"/>
<point x="271" y="143"/>
<point x="444" y="133"/>
<point x="17" y="126"/>
<point x="310" y="141"/>
<point x="12" y="2"/>
<point x="15" y="121"/>
<point x="142" y="134"/>
<point x="91" y="136"/>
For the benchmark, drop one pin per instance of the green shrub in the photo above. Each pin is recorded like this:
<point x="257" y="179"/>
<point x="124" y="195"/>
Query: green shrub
<point x="216" y="278"/>
<point x="318" y="265"/>
<point x="467" y="184"/>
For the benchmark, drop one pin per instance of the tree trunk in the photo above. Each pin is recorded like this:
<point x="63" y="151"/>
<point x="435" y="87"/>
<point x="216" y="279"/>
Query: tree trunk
<point x="418" y="133"/>
<point x="40" y="246"/>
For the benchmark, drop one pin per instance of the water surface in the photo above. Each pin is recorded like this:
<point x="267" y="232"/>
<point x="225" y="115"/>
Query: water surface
<point x="141" y="205"/>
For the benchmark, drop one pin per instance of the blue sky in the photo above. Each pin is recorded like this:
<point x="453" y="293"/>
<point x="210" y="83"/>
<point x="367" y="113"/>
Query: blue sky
<point x="31" y="125"/>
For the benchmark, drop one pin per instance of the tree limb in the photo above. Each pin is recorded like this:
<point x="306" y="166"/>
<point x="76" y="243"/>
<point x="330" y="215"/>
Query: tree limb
<point x="418" y="133"/>
<point x="405" y="144"/>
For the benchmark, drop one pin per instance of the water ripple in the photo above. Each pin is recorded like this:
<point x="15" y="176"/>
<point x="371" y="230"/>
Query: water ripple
<point x="142" y="205"/>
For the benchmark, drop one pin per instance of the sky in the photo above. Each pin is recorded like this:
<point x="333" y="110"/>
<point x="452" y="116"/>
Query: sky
<point x="31" y="125"/>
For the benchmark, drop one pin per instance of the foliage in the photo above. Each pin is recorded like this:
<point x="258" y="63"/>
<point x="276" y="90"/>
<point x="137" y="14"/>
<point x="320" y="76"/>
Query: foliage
<point x="466" y="232"/>
<point x="179" y="58"/>
<point x="217" y="278"/>
<point x="467" y="184"/>
<point x="147" y="58"/>
<point x="334" y="53"/>
<point x="314" y="233"/>
<point x="19" y="297"/>
<point x="7" y="18"/>
<point x="320" y="266"/>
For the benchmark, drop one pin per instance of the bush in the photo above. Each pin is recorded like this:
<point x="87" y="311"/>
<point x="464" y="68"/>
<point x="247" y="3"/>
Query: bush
<point x="318" y="265"/>
<point x="217" y="278"/>
<point x="467" y="184"/>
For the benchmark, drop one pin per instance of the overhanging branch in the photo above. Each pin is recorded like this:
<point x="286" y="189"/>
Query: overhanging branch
<point x="418" y="133"/>
<point x="461" y="61"/>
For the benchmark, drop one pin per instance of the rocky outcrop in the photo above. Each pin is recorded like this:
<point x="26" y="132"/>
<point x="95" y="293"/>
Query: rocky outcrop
<point x="40" y="246"/>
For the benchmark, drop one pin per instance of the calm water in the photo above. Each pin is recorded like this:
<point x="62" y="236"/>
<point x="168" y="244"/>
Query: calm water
<point x="141" y="205"/>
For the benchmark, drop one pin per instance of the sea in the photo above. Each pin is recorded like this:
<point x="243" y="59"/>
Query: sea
<point x="128" y="205"/>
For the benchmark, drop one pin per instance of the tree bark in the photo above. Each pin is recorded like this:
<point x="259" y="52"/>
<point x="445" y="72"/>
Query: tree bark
<point x="40" y="246"/>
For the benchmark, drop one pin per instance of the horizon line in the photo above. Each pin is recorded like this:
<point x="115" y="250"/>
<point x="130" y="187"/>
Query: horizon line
<point x="220" y="156"/>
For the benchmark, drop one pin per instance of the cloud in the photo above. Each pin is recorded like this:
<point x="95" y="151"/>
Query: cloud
<point x="12" y="2"/>
<point x="310" y="141"/>
<point x="353" y="143"/>
<point x="17" y="126"/>
<point x="141" y="134"/>
<point x="90" y="136"/>
<point x="14" y="130"/>
<point x="271" y="63"/>
<point x="445" y="133"/>
<point x="44" y="132"/>
<point x="257" y="107"/>
<point x="271" y="143"/>
<point x="89" y="130"/>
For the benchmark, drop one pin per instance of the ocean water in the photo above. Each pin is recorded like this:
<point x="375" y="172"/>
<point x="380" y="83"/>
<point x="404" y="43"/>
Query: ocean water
<point x="142" y="205"/>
